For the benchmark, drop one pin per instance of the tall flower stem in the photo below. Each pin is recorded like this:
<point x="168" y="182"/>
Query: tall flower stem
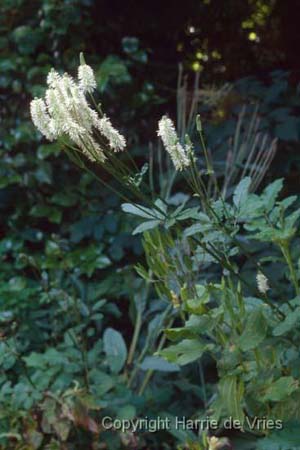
<point x="285" y="249"/>
<point x="209" y="167"/>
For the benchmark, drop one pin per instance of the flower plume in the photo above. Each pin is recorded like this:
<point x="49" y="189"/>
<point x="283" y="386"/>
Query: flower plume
<point x="41" y="119"/>
<point x="65" y="112"/>
<point x="262" y="283"/>
<point x="177" y="152"/>
<point x="86" y="78"/>
<point x="115" y="139"/>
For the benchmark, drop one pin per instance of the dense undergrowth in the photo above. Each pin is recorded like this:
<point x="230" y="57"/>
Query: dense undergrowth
<point x="83" y="318"/>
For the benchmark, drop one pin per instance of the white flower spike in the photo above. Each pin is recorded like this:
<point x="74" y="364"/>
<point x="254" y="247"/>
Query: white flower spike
<point x="116" y="140"/>
<point x="42" y="119"/>
<point x="86" y="77"/>
<point x="65" y="112"/>
<point x="177" y="152"/>
<point x="262" y="283"/>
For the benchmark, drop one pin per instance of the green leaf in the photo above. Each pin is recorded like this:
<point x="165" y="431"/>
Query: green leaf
<point x="27" y="38"/>
<point x="34" y="438"/>
<point x="286" y="439"/>
<point x="141" y="211"/>
<point x="275" y="90"/>
<point x="289" y="323"/>
<point x="127" y="412"/>
<point x="280" y="114"/>
<point x="48" y="149"/>
<point x="115" y="349"/>
<point x="185" y="352"/>
<point x="280" y="389"/>
<point x="191" y="213"/>
<point x="62" y="428"/>
<point x="101" y="382"/>
<point x="255" y="331"/>
<point x="271" y="192"/>
<point x="112" y="68"/>
<point x="35" y="360"/>
<point x="288" y="201"/>
<point x="197" y="304"/>
<point x="64" y="199"/>
<point x="157" y="363"/>
<point x="149" y="225"/>
<point x="241" y="192"/>
<point x="17" y="284"/>
<point x="289" y="129"/>
<point x="291" y="220"/>
<point x="231" y="392"/>
<point x="53" y="214"/>
<point x="44" y="173"/>
<point x="199" y="227"/>
<point x="175" y="334"/>
<point x="181" y="434"/>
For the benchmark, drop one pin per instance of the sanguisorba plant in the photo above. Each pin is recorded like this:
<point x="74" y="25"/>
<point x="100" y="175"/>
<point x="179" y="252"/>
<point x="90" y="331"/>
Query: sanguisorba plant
<point x="202" y="256"/>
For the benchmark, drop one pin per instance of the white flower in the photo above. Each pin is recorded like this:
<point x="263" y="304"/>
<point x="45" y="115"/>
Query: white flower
<point x="166" y="131"/>
<point x="177" y="152"/>
<point x="52" y="78"/>
<point x="65" y="112"/>
<point x="42" y="119"/>
<point x="216" y="443"/>
<point x="55" y="108"/>
<point x="116" y="140"/>
<point x="262" y="282"/>
<point x="213" y="443"/>
<point x="86" y="78"/>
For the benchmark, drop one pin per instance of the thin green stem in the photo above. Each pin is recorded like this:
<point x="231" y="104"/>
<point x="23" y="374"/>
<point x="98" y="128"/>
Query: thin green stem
<point x="136" y="333"/>
<point x="285" y="249"/>
<point x="150" y="371"/>
<point x="145" y="350"/>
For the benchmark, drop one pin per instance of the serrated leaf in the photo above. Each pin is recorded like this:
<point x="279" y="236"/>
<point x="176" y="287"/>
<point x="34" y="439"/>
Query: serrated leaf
<point x="195" y="229"/>
<point x="271" y="192"/>
<point x="288" y="201"/>
<point x="292" y="219"/>
<point x="241" y="192"/>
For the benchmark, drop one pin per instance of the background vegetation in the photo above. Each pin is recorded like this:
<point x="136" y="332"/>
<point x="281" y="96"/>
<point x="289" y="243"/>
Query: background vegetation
<point x="68" y="289"/>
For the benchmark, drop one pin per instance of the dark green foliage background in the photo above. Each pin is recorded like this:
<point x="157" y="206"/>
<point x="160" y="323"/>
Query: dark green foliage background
<point x="65" y="246"/>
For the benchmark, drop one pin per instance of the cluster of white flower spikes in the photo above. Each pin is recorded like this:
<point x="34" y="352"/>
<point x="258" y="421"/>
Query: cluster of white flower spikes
<point x="66" y="112"/>
<point x="177" y="152"/>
